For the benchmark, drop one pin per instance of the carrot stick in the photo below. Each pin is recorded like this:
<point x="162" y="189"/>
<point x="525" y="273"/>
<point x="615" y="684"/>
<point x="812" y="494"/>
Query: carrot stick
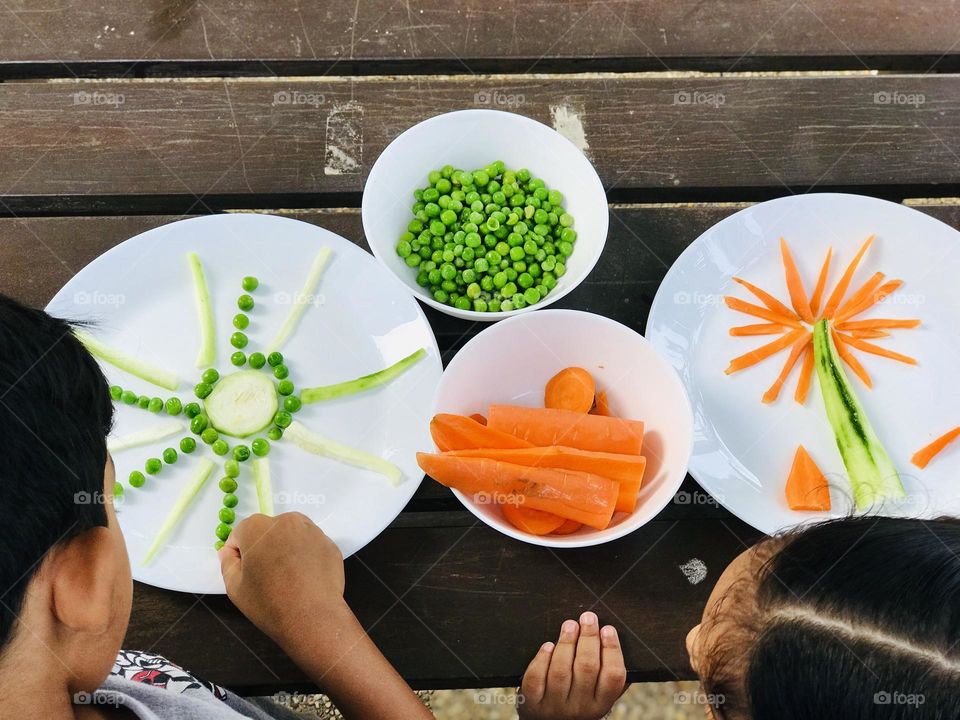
<point x="589" y="499"/>
<point x="877" y="323"/>
<point x="764" y="351"/>
<point x="547" y="426"/>
<point x="535" y="522"/>
<point x="925" y="454"/>
<point x="873" y="299"/>
<point x="874" y="334"/>
<point x="877" y="349"/>
<point x="758" y="329"/>
<point x="735" y="303"/>
<point x="477" y="417"/>
<point x="601" y="404"/>
<point x="850" y="359"/>
<point x="767" y="299"/>
<point x="798" y="347"/>
<point x="572" y="388"/>
<point x="806" y="374"/>
<point x="807" y="487"/>
<point x="836" y="297"/>
<point x="456" y="432"/>
<point x="817" y="296"/>
<point x="860" y="295"/>
<point x="798" y="296"/>
<point x="569" y="527"/>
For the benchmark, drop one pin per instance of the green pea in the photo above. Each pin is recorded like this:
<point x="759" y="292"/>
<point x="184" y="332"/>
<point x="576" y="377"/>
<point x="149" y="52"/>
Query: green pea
<point x="462" y="303"/>
<point x="292" y="403"/>
<point x="143" y="402"/>
<point x="202" y="390"/>
<point x="117" y="490"/>
<point x="531" y="295"/>
<point x="274" y="359"/>
<point x="414" y="260"/>
<point x="568" y="235"/>
<point x="257" y="360"/>
<point x="238" y="359"/>
<point x="230" y="500"/>
<point x="566" y="219"/>
<point x="285" y="387"/>
<point x="282" y="419"/>
<point x="525" y="280"/>
<point x="210" y="436"/>
<point x="403" y="248"/>
<point x="116" y="392"/>
<point x="220" y="447"/>
<point x="218" y="544"/>
<point x="479" y="305"/>
<point x="128" y="397"/>
<point x="231" y="468"/>
<point x="281" y="372"/>
<point x="153" y="466"/>
<point x="199" y="424"/>
<point x="137" y="479"/>
<point x="191" y="410"/>
<point x="239" y="340"/>
<point x="228" y="484"/>
<point x="241" y="321"/>
<point x="223" y="531"/>
<point x="245" y="302"/>
<point x="173" y="406"/>
<point x="210" y="376"/>
<point x="241" y="453"/>
<point x="188" y="445"/>
<point x="260" y="447"/>
<point x="155" y="405"/>
<point x="249" y="283"/>
<point x="509" y="290"/>
<point x="275" y="433"/>
<point x="227" y="515"/>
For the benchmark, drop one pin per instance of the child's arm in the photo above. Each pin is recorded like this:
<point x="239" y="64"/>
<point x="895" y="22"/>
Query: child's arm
<point x="578" y="678"/>
<point x="286" y="576"/>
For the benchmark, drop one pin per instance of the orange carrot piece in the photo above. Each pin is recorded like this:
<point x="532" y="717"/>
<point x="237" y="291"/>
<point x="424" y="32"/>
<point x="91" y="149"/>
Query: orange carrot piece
<point x="877" y="323"/>
<point x="535" y="522"/>
<point x="798" y="296"/>
<point x="735" y="303"/>
<point x="589" y="499"/>
<point x="870" y="347"/>
<point x="568" y="528"/>
<point x="807" y="487"/>
<point x="875" y="297"/>
<point x="456" y="432"/>
<point x="836" y="297"/>
<point x="851" y="360"/>
<point x="477" y="417"/>
<point x="548" y="426"/>
<point x="806" y="374"/>
<point x="764" y="351"/>
<point x="871" y="334"/>
<point x="925" y="454"/>
<point x="860" y="295"/>
<point x="616" y="466"/>
<point x="817" y="296"/>
<point x="758" y="329"/>
<point x="767" y="299"/>
<point x="601" y="405"/>
<point x="572" y="388"/>
<point x="798" y="347"/>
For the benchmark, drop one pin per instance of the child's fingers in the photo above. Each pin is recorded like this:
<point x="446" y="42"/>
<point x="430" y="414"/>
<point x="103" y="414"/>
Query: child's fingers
<point x="560" y="674"/>
<point x="534" y="682"/>
<point x="613" y="672"/>
<point x="586" y="666"/>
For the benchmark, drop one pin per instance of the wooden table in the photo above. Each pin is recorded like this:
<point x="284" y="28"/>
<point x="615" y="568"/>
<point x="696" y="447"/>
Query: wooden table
<point x="123" y="116"/>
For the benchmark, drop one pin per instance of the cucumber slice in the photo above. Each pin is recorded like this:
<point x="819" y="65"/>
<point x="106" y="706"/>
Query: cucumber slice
<point x="201" y="294"/>
<point x="180" y="507"/>
<point x="134" y="366"/>
<point x="301" y="301"/>
<point x="365" y="382"/>
<point x="261" y="479"/>
<point x="873" y="476"/>
<point x="145" y="437"/>
<point x="320" y="445"/>
<point x="242" y="403"/>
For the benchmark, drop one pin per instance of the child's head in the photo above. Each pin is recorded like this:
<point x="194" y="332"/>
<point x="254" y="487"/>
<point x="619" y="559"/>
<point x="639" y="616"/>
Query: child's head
<point x="65" y="585"/>
<point x="856" y="618"/>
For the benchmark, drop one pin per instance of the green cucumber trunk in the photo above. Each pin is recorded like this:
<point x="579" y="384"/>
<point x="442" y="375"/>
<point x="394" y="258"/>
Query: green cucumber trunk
<point x="873" y="477"/>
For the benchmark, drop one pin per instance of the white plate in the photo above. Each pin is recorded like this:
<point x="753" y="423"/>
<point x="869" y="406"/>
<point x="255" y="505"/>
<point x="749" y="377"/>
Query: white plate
<point x="743" y="449"/>
<point x="512" y="361"/>
<point x="140" y="295"/>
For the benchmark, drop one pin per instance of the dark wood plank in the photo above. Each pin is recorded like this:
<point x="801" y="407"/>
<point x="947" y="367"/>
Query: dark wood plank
<point x="466" y="607"/>
<point x="70" y="143"/>
<point x="348" y="37"/>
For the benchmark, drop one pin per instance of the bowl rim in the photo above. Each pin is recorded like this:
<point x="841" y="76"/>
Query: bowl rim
<point x="624" y="528"/>
<point x="592" y="179"/>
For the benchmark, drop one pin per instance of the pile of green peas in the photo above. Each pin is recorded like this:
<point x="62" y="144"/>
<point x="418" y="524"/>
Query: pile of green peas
<point x="489" y="240"/>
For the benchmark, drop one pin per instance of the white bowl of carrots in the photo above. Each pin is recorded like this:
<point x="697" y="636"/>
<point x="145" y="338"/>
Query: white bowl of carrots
<point x="561" y="428"/>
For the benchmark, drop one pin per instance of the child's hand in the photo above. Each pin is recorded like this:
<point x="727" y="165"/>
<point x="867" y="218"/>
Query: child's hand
<point x="283" y="573"/>
<point x="579" y="678"/>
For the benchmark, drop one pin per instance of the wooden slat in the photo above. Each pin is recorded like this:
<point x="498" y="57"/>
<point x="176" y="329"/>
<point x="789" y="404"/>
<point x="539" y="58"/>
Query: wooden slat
<point x="347" y="36"/>
<point x="195" y="139"/>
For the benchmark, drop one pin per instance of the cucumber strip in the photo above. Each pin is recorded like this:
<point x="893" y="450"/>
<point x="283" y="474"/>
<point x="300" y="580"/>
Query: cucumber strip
<point x="242" y="403"/>
<point x="145" y="437"/>
<point x="365" y="382"/>
<point x="134" y="366"/>
<point x="201" y="295"/>
<point x="311" y="442"/>
<point x="261" y="479"/>
<point x="301" y="301"/>
<point x="873" y="476"/>
<point x="180" y="507"/>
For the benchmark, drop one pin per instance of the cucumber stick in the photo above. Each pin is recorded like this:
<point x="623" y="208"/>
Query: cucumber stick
<point x="180" y="507"/>
<point x="145" y="437"/>
<point x="317" y="444"/>
<point x="301" y="301"/>
<point x="873" y="476"/>
<point x="242" y="403"/>
<point x="261" y="479"/>
<point x="201" y="294"/>
<point x="365" y="382"/>
<point x="134" y="366"/>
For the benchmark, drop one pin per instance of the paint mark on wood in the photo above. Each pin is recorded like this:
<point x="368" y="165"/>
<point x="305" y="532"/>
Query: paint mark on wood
<point x="695" y="570"/>
<point x="568" y="122"/>
<point x="344" y="136"/>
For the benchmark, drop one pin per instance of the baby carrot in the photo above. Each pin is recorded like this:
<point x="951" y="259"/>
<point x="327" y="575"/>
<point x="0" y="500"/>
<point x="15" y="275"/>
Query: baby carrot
<point x="547" y="426"/>
<point x="925" y="454"/>
<point x="572" y="388"/>
<point x="456" y="432"/>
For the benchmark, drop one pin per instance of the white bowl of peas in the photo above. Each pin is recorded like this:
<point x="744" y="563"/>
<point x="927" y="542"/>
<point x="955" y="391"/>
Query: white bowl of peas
<point x="484" y="214"/>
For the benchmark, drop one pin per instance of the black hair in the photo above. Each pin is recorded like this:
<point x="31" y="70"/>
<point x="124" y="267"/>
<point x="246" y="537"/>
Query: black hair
<point x="55" y="414"/>
<point x="856" y="618"/>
